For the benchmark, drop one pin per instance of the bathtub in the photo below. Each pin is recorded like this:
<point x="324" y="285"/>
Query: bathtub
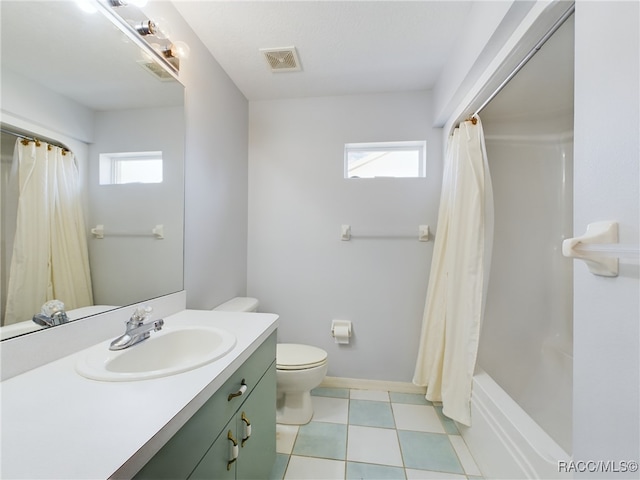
<point x="504" y="440"/>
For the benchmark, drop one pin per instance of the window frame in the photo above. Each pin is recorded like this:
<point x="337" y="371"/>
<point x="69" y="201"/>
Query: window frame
<point x="111" y="166"/>
<point x="403" y="146"/>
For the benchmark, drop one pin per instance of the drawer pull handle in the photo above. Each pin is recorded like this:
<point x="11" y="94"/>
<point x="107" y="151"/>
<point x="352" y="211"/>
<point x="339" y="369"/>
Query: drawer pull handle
<point x="233" y="450"/>
<point x="243" y="388"/>
<point x="247" y="429"/>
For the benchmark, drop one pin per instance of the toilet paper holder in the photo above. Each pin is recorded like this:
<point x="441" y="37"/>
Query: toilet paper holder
<point x="338" y="330"/>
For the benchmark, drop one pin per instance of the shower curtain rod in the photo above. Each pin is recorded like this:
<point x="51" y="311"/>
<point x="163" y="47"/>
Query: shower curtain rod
<point x="34" y="139"/>
<point x="526" y="59"/>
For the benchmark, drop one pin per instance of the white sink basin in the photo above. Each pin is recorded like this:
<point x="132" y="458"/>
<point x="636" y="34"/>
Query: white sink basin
<point x="167" y="352"/>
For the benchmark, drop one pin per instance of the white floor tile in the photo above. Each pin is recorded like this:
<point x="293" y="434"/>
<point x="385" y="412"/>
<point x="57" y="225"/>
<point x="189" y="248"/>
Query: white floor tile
<point x="332" y="410"/>
<point x="373" y="445"/>
<point x="301" y="468"/>
<point x="427" y="475"/>
<point x="464" y="455"/>
<point x="419" y="418"/>
<point x="285" y="438"/>
<point x="376" y="395"/>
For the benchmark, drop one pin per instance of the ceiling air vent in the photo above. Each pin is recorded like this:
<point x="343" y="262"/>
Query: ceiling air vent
<point x="156" y="70"/>
<point x="282" y="59"/>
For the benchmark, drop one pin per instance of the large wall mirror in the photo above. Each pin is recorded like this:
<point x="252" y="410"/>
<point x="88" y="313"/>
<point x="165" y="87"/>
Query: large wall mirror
<point x="73" y="79"/>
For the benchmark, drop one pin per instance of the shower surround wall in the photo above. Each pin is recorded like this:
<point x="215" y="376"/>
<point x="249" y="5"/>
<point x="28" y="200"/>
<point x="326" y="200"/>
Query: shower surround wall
<point x="298" y="199"/>
<point x="526" y="341"/>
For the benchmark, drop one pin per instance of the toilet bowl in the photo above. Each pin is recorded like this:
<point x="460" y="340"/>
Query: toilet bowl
<point x="299" y="369"/>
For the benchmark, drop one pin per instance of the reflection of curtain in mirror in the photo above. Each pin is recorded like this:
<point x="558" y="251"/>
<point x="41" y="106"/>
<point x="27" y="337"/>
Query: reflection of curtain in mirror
<point x="50" y="256"/>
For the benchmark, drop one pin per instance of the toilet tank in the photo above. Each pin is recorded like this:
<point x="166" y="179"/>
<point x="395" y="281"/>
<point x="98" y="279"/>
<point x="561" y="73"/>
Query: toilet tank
<point x="239" y="304"/>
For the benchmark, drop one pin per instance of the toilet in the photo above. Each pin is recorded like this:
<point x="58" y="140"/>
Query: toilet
<point x="299" y="369"/>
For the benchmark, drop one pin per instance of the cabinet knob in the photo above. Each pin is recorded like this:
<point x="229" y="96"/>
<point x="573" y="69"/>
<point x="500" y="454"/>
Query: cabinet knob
<point x="247" y="429"/>
<point x="233" y="450"/>
<point x="243" y="388"/>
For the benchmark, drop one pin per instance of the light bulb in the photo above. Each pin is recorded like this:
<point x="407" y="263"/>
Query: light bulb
<point x="180" y="50"/>
<point x="163" y="31"/>
<point x="177" y="50"/>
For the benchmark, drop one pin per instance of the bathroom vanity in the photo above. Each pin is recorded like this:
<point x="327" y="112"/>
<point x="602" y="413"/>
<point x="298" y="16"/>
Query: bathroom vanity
<point x="233" y="434"/>
<point x="214" y="421"/>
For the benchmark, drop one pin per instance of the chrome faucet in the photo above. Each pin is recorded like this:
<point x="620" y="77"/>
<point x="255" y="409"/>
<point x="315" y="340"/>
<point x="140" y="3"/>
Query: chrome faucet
<point x="137" y="330"/>
<point x="57" y="318"/>
<point x="52" y="313"/>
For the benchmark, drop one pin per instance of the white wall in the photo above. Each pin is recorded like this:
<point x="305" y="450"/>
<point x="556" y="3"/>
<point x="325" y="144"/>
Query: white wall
<point x="606" y="310"/>
<point x="216" y="119"/>
<point x="120" y="265"/>
<point x="298" y="199"/>
<point x="27" y="104"/>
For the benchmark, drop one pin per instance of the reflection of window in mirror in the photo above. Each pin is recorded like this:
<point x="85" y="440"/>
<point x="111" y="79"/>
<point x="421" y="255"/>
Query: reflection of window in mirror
<point x="130" y="167"/>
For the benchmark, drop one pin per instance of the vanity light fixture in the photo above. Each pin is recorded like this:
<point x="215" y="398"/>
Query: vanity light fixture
<point x="152" y="35"/>
<point x="124" y="3"/>
<point x="177" y="50"/>
<point x="146" y="27"/>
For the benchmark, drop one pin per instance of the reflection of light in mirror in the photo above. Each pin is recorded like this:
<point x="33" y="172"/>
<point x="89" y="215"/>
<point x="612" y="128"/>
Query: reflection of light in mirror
<point x="146" y="27"/>
<point x="163" y="31"/>
<point x="179" y="50"/>
<point x="86" y="6"/>
<point x="124" y="3"/>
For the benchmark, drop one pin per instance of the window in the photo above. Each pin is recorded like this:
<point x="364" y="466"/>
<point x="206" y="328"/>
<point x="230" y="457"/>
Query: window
<point x="130" y="167"/>
<point x="385" y="159"/>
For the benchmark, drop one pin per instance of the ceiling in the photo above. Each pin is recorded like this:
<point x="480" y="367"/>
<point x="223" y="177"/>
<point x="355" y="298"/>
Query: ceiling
<point x="345" y="47"/>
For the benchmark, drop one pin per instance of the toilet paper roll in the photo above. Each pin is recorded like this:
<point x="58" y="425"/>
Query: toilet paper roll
<point x="341" y="334"/>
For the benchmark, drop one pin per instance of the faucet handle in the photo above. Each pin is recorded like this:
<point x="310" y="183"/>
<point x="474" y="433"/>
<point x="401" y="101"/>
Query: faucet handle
<point x="52" y="307"/>
<point x="141" y="313"/>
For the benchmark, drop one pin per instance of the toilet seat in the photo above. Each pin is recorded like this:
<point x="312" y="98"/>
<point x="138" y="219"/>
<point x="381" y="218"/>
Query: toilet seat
<point x="294" y="356"/>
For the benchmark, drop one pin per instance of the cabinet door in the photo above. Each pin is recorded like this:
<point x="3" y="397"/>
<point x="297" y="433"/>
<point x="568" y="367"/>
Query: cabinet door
<point x="258" y="451"/>
<point x="220" y="461"/>
<point x="250" y="437"/>
<point x="178" y="458"/>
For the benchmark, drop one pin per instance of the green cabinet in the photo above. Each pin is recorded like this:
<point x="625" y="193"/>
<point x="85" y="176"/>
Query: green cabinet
<point x="244" y="405"/>
<point x="245" y="448"/>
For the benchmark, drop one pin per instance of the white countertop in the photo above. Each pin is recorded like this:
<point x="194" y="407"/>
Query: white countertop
<point x="57" y="424"/>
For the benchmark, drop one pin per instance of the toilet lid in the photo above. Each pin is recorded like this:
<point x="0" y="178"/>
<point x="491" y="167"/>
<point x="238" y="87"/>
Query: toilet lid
<point x="293" y="356"/>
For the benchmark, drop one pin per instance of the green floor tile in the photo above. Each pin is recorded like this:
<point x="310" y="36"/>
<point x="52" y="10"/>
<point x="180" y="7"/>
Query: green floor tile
<point x="324" y="440"/>
<point x="428" y="451"/>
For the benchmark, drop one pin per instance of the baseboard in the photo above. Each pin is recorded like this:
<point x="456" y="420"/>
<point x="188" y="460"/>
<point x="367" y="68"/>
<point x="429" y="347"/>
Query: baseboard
<point x="362" y="384"/>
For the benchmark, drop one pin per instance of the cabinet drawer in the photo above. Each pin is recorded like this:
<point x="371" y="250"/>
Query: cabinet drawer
<point x="179" y="456"/>
<point x="255" y="451"/>
<point x="219" y="408"/>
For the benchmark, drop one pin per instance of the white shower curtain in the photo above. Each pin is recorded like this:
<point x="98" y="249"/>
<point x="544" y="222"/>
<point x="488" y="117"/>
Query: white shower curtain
<point x="458" y="277"/>
<point x="50" y="257"/>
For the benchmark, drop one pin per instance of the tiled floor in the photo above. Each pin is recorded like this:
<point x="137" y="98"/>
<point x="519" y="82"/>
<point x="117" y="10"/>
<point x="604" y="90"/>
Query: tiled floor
<point x="370" y="434"/>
